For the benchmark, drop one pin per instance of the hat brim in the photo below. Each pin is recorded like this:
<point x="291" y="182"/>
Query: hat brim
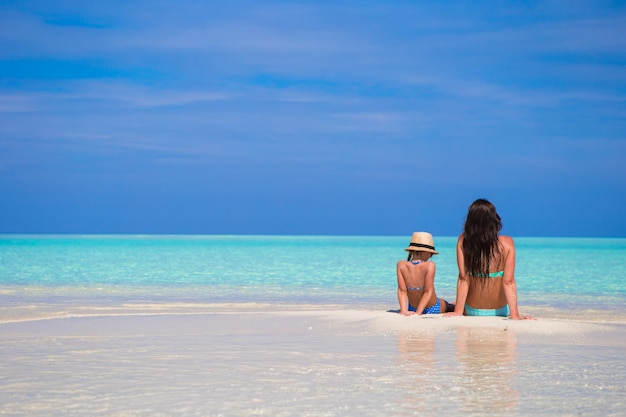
<point x="414" y="249"/>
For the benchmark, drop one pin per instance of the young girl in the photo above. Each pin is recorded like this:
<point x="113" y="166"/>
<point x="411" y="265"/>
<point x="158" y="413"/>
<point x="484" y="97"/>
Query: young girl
<point x="416" y="279"/>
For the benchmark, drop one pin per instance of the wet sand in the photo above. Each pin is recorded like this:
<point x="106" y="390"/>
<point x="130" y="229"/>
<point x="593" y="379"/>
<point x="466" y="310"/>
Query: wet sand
<point x="306" y="360"/>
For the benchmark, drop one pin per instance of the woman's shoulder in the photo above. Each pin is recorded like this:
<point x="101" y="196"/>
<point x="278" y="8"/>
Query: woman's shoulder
<point x="506" y="241"/>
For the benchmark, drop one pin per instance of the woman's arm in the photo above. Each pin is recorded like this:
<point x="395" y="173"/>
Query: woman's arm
<point x="462" y="284"/>
<point x="429" y="287"/>
<point x="462" y="288"/>
<point x="402" y="295"/>
<point x="508" y="281"/>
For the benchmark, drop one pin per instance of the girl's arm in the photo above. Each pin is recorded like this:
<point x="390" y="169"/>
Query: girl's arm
<point x="402" y="295"/>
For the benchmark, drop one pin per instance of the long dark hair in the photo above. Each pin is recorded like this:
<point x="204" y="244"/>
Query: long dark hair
<point x="480" y="241"/>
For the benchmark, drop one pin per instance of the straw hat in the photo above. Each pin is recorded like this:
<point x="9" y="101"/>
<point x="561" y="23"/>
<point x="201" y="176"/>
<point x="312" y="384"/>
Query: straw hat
<point x="422" y="242"/>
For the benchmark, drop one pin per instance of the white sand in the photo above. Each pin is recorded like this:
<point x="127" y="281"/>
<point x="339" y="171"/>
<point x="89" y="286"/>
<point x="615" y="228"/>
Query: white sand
<point x="292" y="360"/>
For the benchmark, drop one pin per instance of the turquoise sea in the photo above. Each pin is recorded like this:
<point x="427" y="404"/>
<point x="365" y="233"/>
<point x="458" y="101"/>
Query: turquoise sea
<point x="555" y="276"/>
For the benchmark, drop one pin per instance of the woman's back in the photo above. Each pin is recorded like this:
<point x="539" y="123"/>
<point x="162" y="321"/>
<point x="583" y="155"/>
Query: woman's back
<point x="486" y="290"/>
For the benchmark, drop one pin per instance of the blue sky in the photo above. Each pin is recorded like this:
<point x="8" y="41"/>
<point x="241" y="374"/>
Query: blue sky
<point x="312" y="117"/>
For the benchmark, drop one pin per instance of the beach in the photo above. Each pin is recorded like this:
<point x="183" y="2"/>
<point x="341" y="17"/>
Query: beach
<point x="228" y="360"/>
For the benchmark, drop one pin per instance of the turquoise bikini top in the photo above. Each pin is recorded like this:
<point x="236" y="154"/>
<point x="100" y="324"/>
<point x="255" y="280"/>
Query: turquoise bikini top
<point x="498" y="274"/>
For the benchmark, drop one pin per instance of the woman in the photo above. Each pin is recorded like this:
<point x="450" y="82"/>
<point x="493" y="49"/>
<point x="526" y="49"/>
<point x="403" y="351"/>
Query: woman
<point x="416" y="279"/>
<point x="486" y="261"/>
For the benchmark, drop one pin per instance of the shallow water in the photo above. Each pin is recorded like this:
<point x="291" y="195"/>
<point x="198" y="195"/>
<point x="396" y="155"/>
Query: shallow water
<point x="299" y="365"/>
<point x="583" y="276"/>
